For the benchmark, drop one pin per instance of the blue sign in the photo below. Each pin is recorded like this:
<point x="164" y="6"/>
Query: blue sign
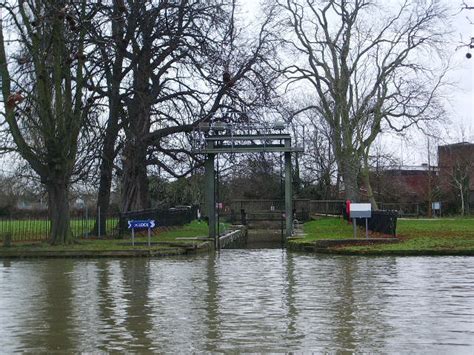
<point x="146" y="223"/>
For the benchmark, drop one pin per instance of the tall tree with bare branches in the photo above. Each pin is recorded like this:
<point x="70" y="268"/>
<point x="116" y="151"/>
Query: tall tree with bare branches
<point x="366" y="61"/>
<point x="45" y="106"/>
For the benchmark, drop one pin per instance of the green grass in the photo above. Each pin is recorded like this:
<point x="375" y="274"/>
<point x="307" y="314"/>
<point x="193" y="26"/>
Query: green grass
<point x="81" y="245"/>
<point x="329" y="228"/>
<point x="31" y="230"/>
<point x="435" y="236"/>
<point x="435" y="226"/>
<point x="193" y="229"/>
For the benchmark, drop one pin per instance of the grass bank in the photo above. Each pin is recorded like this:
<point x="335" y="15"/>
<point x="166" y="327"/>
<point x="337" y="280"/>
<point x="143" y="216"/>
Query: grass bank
<point x="443" y="236"/>
<point x="163" y="243"/>
<point x="38" y="229"/>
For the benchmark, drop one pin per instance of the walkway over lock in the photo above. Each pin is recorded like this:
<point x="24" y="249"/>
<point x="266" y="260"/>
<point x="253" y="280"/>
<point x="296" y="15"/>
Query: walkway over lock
<point x="218" y="137"/>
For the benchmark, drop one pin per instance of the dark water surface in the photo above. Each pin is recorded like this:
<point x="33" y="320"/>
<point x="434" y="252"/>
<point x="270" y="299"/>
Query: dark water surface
<point x="242" y="300"/>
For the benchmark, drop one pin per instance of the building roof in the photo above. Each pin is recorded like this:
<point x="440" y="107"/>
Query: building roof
<point x="455" y="145"/>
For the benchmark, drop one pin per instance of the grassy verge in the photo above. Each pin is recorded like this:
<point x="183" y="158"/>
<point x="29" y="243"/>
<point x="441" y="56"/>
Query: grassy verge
<point x="38" y="229"/>
<point x="417" y="237"/>
<point x="329" y="228"/>
<point x="165" y="240"/>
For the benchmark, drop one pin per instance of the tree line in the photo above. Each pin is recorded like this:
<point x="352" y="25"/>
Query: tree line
<point x="97" y="89"/>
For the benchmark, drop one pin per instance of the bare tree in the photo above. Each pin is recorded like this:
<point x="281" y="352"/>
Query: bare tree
<point x="365" y="63"/>
<point x="182" y="76"/>
<point x="460" y="174"/>
<point x="43" y="93"/>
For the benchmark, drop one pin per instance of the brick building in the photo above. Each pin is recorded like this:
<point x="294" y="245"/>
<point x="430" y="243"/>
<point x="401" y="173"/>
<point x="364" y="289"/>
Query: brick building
<point x="456" y="173"/>
<point x="405" y="184"/>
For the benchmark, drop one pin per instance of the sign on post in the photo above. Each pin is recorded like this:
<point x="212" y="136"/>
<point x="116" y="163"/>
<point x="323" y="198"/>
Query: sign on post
<point x="141" y="224"/>
<point x="436" y="208"/>
<point x="361" y="210"/>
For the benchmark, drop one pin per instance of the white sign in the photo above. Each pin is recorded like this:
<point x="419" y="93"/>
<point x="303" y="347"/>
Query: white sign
<point x="436" y="206"/>
<point x="361" y="210"/>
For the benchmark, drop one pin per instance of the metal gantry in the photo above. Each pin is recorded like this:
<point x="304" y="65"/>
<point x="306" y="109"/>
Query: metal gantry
<point x="218" y="137"/>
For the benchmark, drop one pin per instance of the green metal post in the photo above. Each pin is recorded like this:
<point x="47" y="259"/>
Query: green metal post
<point x="211" y="195"/>
<point x="288" y="195"/>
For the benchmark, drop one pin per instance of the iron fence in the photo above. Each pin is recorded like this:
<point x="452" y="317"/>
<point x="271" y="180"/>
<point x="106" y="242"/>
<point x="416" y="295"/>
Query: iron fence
<point x="406" y="209"/>
<point x="384" y="222"/>
<point x="327" y="207"/>
<point x="37" y="226"/>
<point x="176" y="216"/>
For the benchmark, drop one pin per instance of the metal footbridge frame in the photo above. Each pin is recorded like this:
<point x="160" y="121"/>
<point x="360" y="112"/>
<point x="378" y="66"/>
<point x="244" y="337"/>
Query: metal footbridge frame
<point x="213" y="139"/>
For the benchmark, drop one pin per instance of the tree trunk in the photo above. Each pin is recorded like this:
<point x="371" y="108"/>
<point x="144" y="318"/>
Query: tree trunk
<point x="461" y="192"/>
<point x="106" y="170"/>
<point x="135" y="179"/>
<point x="58" y="205"/>
<point x="365" y="172"/>
<point x="350" y="171"/>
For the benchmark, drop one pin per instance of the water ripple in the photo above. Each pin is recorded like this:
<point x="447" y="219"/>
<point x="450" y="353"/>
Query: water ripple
<point x="263" y="300"/>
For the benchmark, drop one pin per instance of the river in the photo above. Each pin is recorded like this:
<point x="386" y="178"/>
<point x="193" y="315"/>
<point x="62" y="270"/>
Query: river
<point x="261" y="300"/>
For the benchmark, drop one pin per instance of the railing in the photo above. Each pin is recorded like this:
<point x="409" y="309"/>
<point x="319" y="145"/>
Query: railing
<point x="24" y="228"/>
<point x="177" y="216"/>
<point x="37" y="226"/>
<point x="233" y="239"/>
<point x="405" y="209"/>
<point x="267" y="209"/>
<point x="384" y="222"/>
<point x="326" y="207"/>
<point x="322" y="207"/>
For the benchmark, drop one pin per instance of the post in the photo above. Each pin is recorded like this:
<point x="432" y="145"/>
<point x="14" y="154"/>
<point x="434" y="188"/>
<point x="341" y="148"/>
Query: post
<point x="98" y="222"/>
<point x="149" y="237"/>
<point x="133" y="237"/>
<point x="243" y="217"/>
<point x="288" y="192"/>
<point x="211" y="196"/>
<point x="367" y="228"/>
<point x="355" y="227"/>
<point x="87" y="221"/>
<point x="7" y="239"/>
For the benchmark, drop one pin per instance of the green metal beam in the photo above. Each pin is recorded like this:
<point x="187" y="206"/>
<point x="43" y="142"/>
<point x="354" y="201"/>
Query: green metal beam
<point x="248" y="137"/>
<point x="288" y="196"/>
<point x="214" y="146"/>
<point x="253" y="149"/>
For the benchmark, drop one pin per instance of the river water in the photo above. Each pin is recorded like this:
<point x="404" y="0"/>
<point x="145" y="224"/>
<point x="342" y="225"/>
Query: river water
<point x="263" y="300"/>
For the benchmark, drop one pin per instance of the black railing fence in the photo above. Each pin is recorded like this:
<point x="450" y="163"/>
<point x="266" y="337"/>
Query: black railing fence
<point x="176" y="216"/>
<point x="36" y="226"/>
<point x="384" y="222"/>
<point x="248" y="210"/>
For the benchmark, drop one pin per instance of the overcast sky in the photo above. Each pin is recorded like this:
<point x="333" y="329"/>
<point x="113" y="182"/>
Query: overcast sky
<point x="459" y="102"/>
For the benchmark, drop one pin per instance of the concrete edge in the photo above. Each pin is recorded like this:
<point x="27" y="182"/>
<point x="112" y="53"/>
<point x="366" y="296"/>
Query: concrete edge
<point x="174" y="251"/>
<point x="311" y="247"/>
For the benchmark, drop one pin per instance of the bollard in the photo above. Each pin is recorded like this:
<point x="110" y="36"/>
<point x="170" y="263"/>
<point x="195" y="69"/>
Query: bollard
<point x="7" y="240"/>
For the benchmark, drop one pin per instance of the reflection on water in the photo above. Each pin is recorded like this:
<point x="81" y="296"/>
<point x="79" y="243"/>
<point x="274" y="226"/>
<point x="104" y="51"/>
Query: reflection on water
<point x="247" y="300"/>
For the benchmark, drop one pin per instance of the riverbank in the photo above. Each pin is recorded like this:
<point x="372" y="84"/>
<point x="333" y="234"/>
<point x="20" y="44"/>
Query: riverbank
<point x="187" y="239"/>
<point x="442" y="236"/>
<point x="326" y="235"/>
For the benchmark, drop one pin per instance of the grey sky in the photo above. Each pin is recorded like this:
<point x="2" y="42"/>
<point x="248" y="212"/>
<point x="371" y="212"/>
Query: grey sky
<point x="459" y="102"/>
